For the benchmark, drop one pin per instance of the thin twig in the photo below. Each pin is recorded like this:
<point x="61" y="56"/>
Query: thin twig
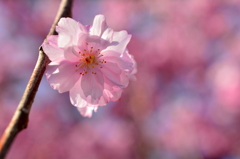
<point x="20" y="118"/>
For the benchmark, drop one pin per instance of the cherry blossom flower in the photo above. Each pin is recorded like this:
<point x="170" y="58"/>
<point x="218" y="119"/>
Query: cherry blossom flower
<point x="91" y="62"/>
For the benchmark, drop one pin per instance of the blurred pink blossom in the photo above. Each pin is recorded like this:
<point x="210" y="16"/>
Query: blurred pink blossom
<point x="90" y="62"/>
<point x="225" y="78"/>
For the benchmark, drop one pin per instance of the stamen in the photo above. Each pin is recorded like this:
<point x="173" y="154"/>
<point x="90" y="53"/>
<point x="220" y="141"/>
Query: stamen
<point x="89" y="58"/>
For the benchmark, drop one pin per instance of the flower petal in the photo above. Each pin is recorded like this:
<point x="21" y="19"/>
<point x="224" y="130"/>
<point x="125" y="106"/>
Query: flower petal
<point x="114" y="94"/>
<point x="69" y="31"/>
<point x="108" y="35"/>
<point x="51" y="49"/>
<point x="71" y="54"/>
<point x="52" y="39"/>
<point x="63" y="76"/>
<point x="123" y="63"/>
<point x="78" y="98"/>
<point x="112" y="72"/>
<point x="76" y="95"/>
<point x="87" y="111"/>
<point x="99" y="25"/>
<point x="126" y="56"/>
<point x="92" y="84"/>
<point x="110" y="93"/>
<point x="119" y="42"/>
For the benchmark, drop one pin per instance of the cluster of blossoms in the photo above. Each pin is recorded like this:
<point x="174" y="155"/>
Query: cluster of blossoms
<point x="91" y="62"/>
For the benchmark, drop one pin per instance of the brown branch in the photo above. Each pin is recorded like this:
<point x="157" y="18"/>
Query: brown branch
<point x="20" y="118"/>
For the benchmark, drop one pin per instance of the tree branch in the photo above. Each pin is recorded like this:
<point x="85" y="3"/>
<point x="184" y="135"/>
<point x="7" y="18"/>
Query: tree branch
<point x="19" y="120"/>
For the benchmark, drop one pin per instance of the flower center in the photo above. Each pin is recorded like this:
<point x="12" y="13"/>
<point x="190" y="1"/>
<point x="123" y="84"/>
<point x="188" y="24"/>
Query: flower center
<point x="89" y="58"/>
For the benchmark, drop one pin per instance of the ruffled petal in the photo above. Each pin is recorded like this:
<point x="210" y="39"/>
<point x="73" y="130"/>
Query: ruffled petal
<point x="52" y="39"/>
<point x="97" y="43"/>
<point x="76" y="95"/>
<point x="123" y="63"/>
<point x="112" y="72"/>
<point x="113" y="95"/>
<point x="119" y="42"/>
<point x="78" y="98"/>
<point x="131" y="73"/>
<point x="87" y="111"/>
<point x="108" y="35"/>
<point x="110" y="93"/>
<point x="71" y="54"/>
<point x="99" y="25"/>
<point x="84" y="108"/>
<point x="62" y="76"/>
<point x="69" y="31"/>
<point x="51" y="49"/>
<point x="92" y="84"/>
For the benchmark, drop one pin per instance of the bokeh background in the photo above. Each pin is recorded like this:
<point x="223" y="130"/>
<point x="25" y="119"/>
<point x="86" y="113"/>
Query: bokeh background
<point x="185" y="103"/>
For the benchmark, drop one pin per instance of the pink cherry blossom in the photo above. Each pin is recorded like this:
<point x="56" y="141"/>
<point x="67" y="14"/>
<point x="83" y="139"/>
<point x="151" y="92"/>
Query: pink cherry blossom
<point x="92" y="63"/>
